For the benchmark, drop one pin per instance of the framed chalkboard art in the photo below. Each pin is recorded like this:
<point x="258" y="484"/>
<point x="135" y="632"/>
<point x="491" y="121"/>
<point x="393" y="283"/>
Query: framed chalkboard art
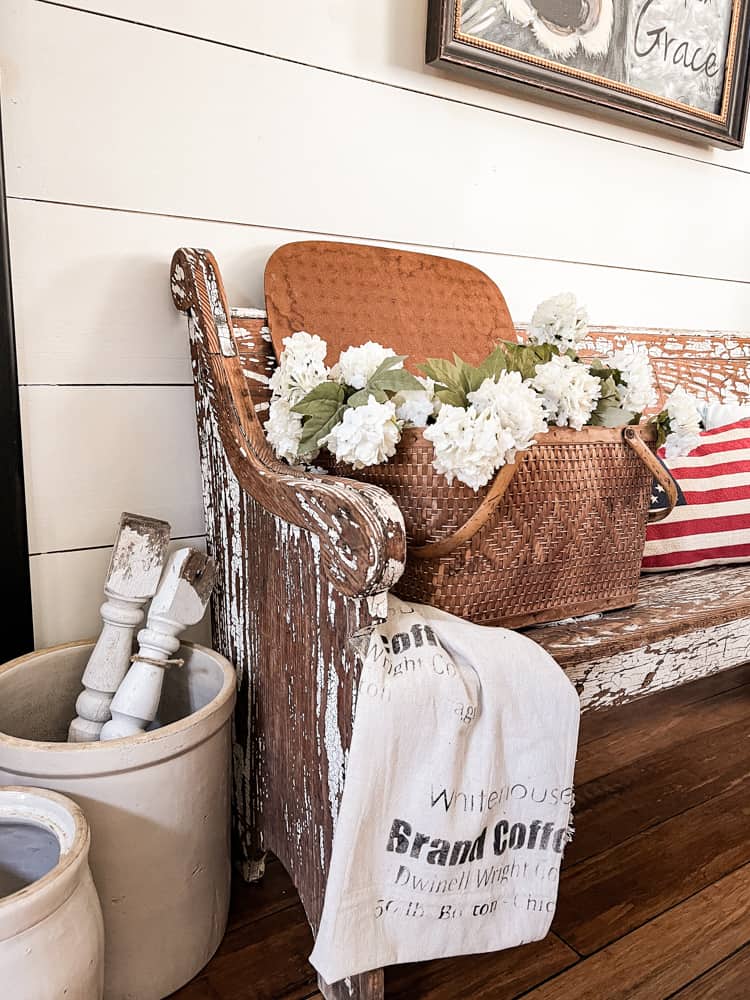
<point x="680" y="64"/>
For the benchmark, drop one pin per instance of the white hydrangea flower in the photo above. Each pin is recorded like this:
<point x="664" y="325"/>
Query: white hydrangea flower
<point x="301" y="367"/>
<point x="284" y="429"/>
<point x="414" y="406"/>
<point x="357" y="364"/>
<point x="469" y="446"/>
<point x="559" y="321"/>
<point x="684" y="423"/>
<point x="519" y="407"/>
<point x="367" y="435"/>
<point x="569" y="391"/>
<point x="638" y="393"/>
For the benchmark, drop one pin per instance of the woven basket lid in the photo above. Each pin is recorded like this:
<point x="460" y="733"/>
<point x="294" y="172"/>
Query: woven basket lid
<point x="420" y="305"/>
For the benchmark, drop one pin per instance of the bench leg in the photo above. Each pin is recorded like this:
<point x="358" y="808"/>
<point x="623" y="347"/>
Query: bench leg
<point x="367" y="986"/>
<point x="252" y="869"/>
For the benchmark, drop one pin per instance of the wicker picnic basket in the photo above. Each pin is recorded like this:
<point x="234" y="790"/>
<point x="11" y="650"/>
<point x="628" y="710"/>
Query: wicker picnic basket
<point x="559" y="533"/>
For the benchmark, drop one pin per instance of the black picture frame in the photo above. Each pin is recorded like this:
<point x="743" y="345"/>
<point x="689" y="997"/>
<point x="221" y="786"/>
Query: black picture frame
<point x="448" y="45"/>
<point x="17" y="634"/>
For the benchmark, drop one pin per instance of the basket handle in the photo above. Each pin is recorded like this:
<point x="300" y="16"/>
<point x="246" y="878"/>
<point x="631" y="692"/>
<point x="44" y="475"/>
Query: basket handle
<point x="501" y="482"/>
<point x="657" y="470"/>
<point x="496" y="492"/>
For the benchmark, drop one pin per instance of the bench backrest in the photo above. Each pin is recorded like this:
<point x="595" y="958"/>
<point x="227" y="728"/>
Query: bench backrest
<point x="711" y="364"/>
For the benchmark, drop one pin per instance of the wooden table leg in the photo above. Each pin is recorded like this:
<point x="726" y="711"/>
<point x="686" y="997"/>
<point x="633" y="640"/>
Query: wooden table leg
<point x="367" y="986"/>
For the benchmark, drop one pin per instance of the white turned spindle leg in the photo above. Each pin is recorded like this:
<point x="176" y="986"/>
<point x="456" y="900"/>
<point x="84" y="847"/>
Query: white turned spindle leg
<point x="132" y="578"/>
<point x="136" y="703"/>
<point x="180" y="600"/>
<point x="107" y="666"/>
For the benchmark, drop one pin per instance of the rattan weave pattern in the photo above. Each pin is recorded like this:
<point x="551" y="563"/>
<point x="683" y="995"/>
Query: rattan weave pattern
<point x="418" y="304"/>
<point x="566" y="539"/>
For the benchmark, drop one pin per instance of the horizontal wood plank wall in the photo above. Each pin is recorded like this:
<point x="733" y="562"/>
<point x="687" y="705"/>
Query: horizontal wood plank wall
<point x="66" y="588"/>
<point x="382" y="42"/>
<point x="178" y="126"/>
<point x="240" y="125"/>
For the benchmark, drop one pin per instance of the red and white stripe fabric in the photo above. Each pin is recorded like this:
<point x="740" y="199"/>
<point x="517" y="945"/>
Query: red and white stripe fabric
<point x="714" y="524"/>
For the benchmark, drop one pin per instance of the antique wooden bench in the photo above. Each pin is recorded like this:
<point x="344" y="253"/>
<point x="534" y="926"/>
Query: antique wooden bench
<point x="304" y="563"/>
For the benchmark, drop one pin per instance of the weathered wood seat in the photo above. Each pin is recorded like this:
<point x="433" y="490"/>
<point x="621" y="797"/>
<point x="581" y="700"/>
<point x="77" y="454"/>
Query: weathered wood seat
<point x="685" y="625"/>
<point x="304" y="562"/>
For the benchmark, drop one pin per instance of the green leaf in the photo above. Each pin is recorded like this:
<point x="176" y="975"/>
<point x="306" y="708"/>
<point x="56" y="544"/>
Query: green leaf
<point x="609" y="411"/>
<point x="611" y="415"/>
<point x="663" y="427"/>
<point x="471" y="378"/>
<point x="361" y="397"/>
<point x="455" y="380"/>
<point x="326" y="392"/>
<point x="454" y="397"/>
<point x="322" y="408"/>
<point x="494" y="364"/>
<point x="315" y="428"/>
<point x="598" y="368"/>
<point x="450" y="383"/>
<point x="396" y="380"/>
<point x="440" y="371"/>
<point x="387" y="379"/>
<point x="393" y="361"/>
<point x="526" y="358"/>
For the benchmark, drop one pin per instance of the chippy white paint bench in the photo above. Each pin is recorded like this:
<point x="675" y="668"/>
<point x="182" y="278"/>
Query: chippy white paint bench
<point x="303" y="562"/>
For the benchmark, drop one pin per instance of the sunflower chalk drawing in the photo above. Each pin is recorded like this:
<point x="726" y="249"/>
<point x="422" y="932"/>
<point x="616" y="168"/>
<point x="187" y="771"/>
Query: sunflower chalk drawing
<point x="682" y="66"/>
<point x="559" y="26"/>
<point x="670" y="48"/>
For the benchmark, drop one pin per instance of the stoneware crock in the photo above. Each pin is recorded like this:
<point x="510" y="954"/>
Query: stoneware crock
<point x="157" y="804"/>
<point x="51" y="930"/>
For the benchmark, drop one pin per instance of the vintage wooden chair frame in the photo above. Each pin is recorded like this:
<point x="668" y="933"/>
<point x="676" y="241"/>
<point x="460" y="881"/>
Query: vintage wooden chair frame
<point x="304" y="564"/>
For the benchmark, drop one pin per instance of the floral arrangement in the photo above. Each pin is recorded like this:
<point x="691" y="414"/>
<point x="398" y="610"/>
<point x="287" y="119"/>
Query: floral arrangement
<point x="478" y="418"/>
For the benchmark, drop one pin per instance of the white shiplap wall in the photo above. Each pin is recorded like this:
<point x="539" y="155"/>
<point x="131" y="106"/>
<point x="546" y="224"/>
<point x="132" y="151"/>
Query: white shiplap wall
<point x="135" y="126"/>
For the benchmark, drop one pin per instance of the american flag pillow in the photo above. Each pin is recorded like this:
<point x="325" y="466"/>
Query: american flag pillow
<point x="711" y="524"/>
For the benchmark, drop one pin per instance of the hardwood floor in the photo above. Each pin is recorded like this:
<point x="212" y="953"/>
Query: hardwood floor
<point x="655" y="893"/>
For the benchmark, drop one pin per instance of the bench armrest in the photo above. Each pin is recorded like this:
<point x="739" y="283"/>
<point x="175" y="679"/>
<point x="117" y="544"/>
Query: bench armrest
<point x="359" y="527"/>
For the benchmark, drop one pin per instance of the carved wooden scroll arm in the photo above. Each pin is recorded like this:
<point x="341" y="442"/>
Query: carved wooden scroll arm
<point x="359" y="526"/>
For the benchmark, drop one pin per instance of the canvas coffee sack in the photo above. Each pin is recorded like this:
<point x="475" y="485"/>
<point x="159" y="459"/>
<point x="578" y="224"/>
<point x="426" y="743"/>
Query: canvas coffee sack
<point x="458" y="794"/>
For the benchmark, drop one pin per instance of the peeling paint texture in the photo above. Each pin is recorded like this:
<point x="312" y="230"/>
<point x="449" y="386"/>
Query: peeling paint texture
<point x="685" y="626"/>
<point x="712" y="363"/>
<point x="303" y="561"/>
<point x="298" y="555"/>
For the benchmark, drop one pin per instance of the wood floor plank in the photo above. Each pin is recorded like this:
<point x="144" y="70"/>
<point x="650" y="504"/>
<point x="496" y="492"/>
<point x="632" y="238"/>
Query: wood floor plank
<point x="729" y="980"/>
<point x="640" y="716"/>
<point x="627" y="801"/>
<point x="198" y="989"/>
<point x="616" y="891"/>
<point x="656" y="888"/>
<point x="654" y="961"/>
<point x="497" y="976"/>
<point x="644" y="736"/>
<point x="266" y="960"/>
<point x="255" y="900"/>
